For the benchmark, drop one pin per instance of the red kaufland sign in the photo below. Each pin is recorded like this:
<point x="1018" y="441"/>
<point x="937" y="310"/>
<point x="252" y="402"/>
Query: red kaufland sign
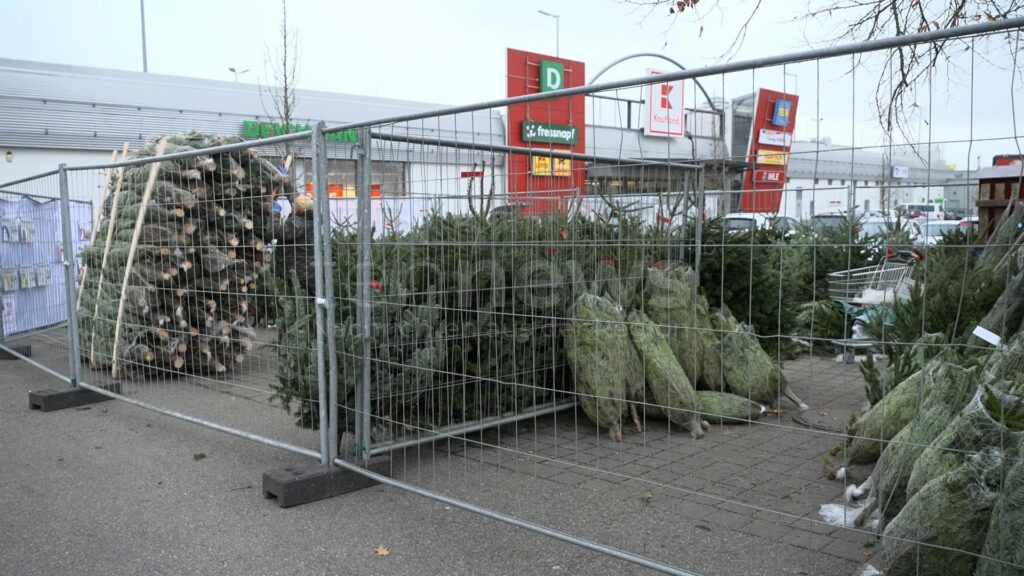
<point x="665" y="112"/>
<point x="545" y="126"/>
<point x="771" y="136"/>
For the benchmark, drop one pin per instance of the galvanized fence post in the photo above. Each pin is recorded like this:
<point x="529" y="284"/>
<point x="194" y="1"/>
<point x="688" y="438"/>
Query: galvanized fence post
<point x="698" y="240"/>
<point x="363" y="306"/>
<point x="3" y="311"/>
<point x="319" y="149"/>
<point x="68" y="249"/>
<point x="326" y="270"/>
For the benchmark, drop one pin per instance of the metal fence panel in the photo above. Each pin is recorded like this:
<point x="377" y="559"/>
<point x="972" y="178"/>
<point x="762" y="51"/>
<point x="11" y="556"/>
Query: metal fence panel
<point x="546" y="337"/>
<point x="484" y="346"/>
<point x="37" y="254"/>
<point x="184" y="281"/>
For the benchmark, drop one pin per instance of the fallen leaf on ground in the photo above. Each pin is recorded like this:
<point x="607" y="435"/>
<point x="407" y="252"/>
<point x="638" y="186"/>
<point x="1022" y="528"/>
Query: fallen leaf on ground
<point x="381" y="550"/>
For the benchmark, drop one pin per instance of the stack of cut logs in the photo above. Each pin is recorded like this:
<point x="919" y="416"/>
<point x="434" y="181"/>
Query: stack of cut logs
<point x="179" y="251"/>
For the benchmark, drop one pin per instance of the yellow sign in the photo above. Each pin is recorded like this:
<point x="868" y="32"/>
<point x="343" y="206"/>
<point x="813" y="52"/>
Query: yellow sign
<point x="547" y="166"/>
<point x="772" y="157"/>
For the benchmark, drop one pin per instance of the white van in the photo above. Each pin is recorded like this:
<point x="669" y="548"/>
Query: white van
<point x="927" y="211"/>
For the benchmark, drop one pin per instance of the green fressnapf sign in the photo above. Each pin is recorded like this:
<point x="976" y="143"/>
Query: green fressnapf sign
<point x="550" y="133"/>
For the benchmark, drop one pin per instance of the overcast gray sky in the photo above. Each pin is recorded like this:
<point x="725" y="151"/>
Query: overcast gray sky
<point x="452" y="52"/>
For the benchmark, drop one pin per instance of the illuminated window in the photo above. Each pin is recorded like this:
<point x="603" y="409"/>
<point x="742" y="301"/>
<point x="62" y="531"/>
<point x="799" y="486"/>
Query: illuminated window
<point x="387" y="178"/>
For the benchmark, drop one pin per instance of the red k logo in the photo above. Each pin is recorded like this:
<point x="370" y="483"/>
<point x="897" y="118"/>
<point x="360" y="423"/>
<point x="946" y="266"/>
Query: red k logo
<point x="665" y="103"/>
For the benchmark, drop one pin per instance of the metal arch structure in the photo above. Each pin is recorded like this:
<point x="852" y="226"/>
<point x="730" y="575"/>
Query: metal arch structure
<point x="654" y="55"/>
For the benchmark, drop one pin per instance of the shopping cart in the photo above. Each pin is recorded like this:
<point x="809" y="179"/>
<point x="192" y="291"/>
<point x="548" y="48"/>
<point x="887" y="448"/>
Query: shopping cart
<point x="884" y="283"/>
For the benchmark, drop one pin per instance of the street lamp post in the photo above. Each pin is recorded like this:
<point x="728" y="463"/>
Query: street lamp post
<point x="142" y="16"/>
<point x="557" y="21"/>
<point x="236" y="72"/>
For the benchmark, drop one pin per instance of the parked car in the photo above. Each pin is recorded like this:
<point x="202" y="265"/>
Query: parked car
<point x="873" y="226"/>
<point x="953" y="214"/>
<point x="829" y="220"/>
<point x="888" y="227"/>
<point x="969" y="223"/>
<point x="507" y="210"/>
<point x="932" y="230"/>
<point x="739" y="221"/>
<point x="783" y="223"/>
<point x="928" y="211"/>
<point x="746" y="220"/>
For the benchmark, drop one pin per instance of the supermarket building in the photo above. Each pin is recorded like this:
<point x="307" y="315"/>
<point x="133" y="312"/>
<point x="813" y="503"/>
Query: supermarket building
<point x="51" y="114"/>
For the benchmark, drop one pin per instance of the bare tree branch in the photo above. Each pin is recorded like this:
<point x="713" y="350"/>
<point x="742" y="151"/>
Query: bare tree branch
<point x="281" y="63"/>
<point x="861" y="20"/>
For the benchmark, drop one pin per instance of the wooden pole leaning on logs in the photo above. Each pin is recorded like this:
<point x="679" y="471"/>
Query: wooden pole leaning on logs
<point x="140" y="220"/>
<point x="106" y="250"/>
<point x="96" y="220"/>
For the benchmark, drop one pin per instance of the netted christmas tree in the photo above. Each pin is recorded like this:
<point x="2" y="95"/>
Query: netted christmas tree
<point x="190" y="266"/>
<point x="468" y="311"/>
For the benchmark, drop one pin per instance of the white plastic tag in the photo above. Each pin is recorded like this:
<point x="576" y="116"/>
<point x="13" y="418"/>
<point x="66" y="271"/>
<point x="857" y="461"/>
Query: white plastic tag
<point x="988" y="336"/>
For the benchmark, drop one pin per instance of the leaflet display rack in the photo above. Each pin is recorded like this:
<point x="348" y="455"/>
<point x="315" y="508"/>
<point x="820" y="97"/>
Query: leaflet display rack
<point x="32" y="260"/>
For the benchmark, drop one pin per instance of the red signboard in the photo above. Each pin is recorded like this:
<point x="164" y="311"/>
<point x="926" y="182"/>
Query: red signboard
<point x="771" y="135"/>
<point x="557" y="124"/>
<point x="769" y="176"/>
<point x="1007" y="160"/>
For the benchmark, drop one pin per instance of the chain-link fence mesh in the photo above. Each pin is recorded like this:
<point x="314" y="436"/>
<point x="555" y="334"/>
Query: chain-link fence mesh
<point x="35" y="261"/>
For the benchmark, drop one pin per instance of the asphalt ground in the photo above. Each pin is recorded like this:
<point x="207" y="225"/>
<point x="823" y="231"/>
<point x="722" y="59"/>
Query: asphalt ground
<point x="116" y="489"/>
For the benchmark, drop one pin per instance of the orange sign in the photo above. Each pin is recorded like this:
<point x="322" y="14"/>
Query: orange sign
<point x="547" y="166"/>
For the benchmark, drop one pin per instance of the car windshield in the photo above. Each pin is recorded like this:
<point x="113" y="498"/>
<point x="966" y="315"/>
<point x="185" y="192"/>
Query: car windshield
<point x="783" y="223"/>
<point x="739" y="223"/>
<point x="824" y="222"/>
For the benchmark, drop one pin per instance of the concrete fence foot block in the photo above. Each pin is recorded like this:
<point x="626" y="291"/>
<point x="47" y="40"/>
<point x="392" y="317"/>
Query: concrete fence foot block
<point x="64" y="398"/>
<point x="310" y="481"/>
<point x="23" y="349"/>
